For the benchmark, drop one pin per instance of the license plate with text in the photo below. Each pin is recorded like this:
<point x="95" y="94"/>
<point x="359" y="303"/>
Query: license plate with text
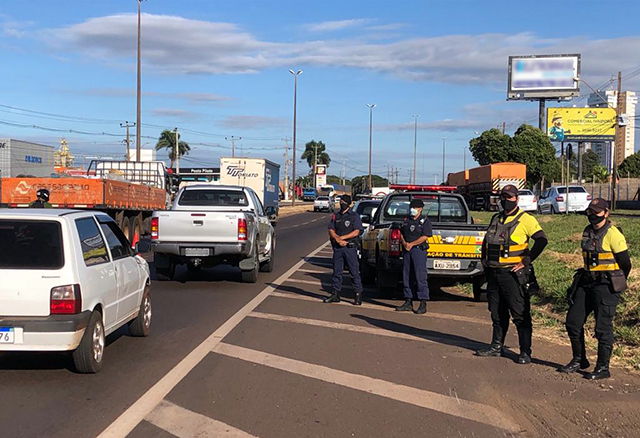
<point x="196" y="252"/>
<point x="446" y="264"/>
<point x="7" y="335"/>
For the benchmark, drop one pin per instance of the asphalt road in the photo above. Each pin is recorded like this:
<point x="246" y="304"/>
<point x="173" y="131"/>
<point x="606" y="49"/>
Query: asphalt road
<point x="271" y="360"/>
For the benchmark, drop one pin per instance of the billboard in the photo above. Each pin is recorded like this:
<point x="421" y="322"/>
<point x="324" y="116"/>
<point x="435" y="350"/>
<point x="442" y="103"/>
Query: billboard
<point x="321" y="175"/>
<point x="581" y="124"/>
<point x="550" y="77"/>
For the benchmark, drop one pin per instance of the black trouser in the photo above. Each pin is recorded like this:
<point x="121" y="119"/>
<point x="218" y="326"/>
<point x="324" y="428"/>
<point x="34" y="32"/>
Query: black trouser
<point x="506" y="296"/>
<point x="596" y="297"/>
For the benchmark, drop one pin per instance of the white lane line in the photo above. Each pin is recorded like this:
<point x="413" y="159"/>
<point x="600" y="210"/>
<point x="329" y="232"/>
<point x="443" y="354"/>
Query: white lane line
<point x="418" y="397"/>
<point x="430" y="313"/>
<point x="130" y="418"/>
<point x="313" y="271"/>
<point x="184" y="423"/>
<point x="330" y="265"/>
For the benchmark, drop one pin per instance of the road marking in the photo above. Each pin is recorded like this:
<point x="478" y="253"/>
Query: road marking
<point x="321" y="264"/>
<point x="184" y="423"/>
<point x="430" y="313"/>
<point x="129" y="419"/>
<point x="418" y="397"/>
<point x="313" y="271"/>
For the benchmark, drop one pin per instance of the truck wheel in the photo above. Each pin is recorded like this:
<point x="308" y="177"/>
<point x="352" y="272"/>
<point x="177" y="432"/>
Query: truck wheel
<point x="252" y="275"/>
<point x="268" y="266"/>
<point x="141" y="325"/>
<point x="87" y="358"/>
<point x="366" y="272"/>
<point x="166" y="274"/>
<point x="478" y="292"/>
<point x="126" y="227"/>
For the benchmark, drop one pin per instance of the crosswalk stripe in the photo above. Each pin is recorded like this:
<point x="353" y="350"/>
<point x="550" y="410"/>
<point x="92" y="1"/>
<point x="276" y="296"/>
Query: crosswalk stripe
<point x="365" y="305"/>
<point x="184" y="423"/>
<point x="418" y="397"/>
<point x="313" y="271"/>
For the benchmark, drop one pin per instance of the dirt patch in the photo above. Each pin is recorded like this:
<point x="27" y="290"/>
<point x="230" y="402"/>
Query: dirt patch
<point x="287" y="210"/>
<point x="572" y="259"/>
<point x="543" y="219"/>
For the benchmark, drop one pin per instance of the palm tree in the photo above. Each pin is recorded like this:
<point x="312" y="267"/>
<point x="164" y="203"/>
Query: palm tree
<point x="600" y="174"/>
<point x="167" y="141"/>
<point x="315" y="149"/>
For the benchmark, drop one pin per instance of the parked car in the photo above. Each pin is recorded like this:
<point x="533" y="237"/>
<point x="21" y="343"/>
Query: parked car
<point x="212" y="225"/>
<point x="324" y="203"/>
<point x="366" y="208"/>
<point x="69" y="279"/>
<point x="553" y="200"/>
<point x="528" y="201"/>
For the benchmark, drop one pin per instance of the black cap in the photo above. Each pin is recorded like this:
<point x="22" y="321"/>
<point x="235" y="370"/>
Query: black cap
<point x="346" y="199"/>
<point x="416" y="203"/>
<point x="43" y="193"/>
<point x="509" y="190"/>
<point x="598" y="205"/>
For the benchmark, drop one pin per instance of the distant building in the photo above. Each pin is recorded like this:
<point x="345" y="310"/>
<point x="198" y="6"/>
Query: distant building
<point x="23" y="158"/>
<point x="629" y="102"/>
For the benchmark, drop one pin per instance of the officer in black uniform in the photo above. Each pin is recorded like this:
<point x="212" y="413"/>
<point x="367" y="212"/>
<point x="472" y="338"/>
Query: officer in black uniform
<point x="415" y="232"/>
<point x="42" y="200"/>
<point x="596" y="288"/>
<point x="344" y="230"/>
<point x="507" y="261"/>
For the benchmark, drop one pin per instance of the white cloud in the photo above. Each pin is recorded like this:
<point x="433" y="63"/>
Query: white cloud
<point x="175" y="113"/>
<point x="253" y="122"/>
<point x="176" y="45"/>
<point x="388" y="27"/>
<point x="330" y="26"/>
<point x="192" y="98"/>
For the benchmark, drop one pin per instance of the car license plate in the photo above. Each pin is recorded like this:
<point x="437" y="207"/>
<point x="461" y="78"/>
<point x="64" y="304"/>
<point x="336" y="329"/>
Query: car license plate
<point x="446" y="264"/>
<point x="196" y="252"/>
<point x="7" y="335"/>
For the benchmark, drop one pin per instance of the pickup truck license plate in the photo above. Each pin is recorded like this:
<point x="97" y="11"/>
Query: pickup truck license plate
<point x="447" y="264"/>
<point x="7" y="335"/>
<point x="196" y="252"/>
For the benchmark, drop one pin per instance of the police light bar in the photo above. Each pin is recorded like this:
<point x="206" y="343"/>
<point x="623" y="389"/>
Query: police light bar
<point x="419" y="188"/>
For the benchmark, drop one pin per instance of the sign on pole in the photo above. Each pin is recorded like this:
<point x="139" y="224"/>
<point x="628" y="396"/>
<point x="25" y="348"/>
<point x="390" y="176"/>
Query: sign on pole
<point x="581" y="124"/>
<point x="540" y="77"/>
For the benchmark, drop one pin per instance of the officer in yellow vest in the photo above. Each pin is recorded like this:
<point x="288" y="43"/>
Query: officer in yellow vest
<point x="596" y="288"/>
<point x="507" y="261"/>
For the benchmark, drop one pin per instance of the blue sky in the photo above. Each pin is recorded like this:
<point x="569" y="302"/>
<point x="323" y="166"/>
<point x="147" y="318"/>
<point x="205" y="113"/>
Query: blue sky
<point x="221" y="68"/>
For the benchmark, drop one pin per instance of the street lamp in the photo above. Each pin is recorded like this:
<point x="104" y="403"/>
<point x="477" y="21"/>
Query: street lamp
<point x="371" y="107"/>
<point x="444" y="139"/>
<point x="415" y="146"/>
<point x="295" y="104"/>
<point x="138" y="92"/>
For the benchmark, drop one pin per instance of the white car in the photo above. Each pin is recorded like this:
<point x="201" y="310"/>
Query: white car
<point x="553" y="200"/>
<point x="324" y="203"/>
<point x="69" y="279"/>
<point x="527" y="201"/>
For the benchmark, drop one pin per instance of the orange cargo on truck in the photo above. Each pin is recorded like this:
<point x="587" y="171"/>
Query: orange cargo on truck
<point x="482" y="184"/>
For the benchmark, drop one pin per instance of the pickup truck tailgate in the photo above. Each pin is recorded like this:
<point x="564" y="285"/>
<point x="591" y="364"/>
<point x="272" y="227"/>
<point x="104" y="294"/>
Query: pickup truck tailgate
<point x="185" y="227"/>
<point x="459" y="242"/>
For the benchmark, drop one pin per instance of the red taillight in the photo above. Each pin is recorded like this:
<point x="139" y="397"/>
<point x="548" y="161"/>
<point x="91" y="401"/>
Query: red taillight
<point x="242" y="229"/>
<point x="394" y="242"/>
<point x="535" y="199"/>
<point x="65" y="300"/>
<point x="588" y="197"/>
<point x="559" y="198"/>
<point x="154" y="228"/>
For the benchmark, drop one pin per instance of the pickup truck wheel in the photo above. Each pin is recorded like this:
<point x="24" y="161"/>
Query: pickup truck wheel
<point x="141" y="325"/>
<point x="366" y="272"/>
<point x="478" y="292"/>
<point x="166" y="274"/>
<point x="252" y="275"/>
<point x="87" y="358"/>
<point x="268" y="265"/>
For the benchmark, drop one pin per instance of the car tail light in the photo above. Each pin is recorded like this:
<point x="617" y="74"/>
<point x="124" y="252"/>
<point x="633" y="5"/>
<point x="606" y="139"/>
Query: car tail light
<point x="154" y="228"/>
<point x="242" y="229"/>
<point x="65" y="300"/>
<point x="394" y="242"/>
<point x="535" y="199"/>
<point x="559" y="198"/>
<point x="588" y="197"/>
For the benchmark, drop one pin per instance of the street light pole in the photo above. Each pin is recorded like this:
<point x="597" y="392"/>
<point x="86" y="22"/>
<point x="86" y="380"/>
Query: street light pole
<point x="138" y="92"/>
<point x="371" y="107"/>
<point x="295" y="110"/>
<point x="176" y="151"/>
<point x="415" y="146"/>
<point x="444" y="139"/>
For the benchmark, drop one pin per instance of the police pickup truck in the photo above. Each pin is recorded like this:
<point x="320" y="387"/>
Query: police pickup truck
<point x="454" y="250"/>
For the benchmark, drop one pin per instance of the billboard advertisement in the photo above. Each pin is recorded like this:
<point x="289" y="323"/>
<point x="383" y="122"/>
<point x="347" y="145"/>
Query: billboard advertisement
<point x="543" y="77"/>
<point x="581" y="124"/>
<point x="321" y="175"/>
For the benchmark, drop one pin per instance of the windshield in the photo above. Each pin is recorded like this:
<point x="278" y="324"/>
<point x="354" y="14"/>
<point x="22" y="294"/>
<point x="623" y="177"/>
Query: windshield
<point x="213" y="198"/>
<point x="525" y="193"/>
<point x="23" y="242"/>
<point x="322" y="198"/>
<point x="572" y="190"/>
<point x="437" y="208"/>
<point x="366" y="208"/>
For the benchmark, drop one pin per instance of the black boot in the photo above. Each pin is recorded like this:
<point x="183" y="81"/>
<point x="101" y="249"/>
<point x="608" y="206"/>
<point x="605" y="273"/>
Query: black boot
<point x="333" y="298"/>
<point x="524" y="358"/>
<point x="601" y="371"/>
<point x="358" y="300"/>
<point x="579" y="361"/>
<point x="406" y="307"/>
<point x="497" y="342"/>
<point x="422" y="309"/>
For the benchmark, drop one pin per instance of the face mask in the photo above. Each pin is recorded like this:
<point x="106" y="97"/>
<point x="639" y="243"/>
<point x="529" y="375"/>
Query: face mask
<point x="343" y="207"/>
<point x="508" y="205"/>
<point x="594" y="219"/>
<point x="414" y="212"/>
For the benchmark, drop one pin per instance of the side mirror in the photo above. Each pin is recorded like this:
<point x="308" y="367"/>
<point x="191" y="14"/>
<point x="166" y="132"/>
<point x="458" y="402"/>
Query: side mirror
<point x="143" y="246"/>
<point x="365" y="218"/>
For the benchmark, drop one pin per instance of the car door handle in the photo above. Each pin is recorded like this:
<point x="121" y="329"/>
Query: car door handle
<point x="198" y="223"/>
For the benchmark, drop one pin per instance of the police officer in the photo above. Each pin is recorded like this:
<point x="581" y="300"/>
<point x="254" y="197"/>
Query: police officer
<point x="344" y="229"/>
<point x="415" y="232"/>
<point x="596" y="288"/>
<point x="42" y="200"/>
<point x="507" y="259"/>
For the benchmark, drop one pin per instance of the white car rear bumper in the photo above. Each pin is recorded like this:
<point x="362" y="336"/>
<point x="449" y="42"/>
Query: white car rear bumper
<point x="39" y="341"/>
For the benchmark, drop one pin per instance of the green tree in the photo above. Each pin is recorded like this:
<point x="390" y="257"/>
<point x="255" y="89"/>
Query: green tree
<point x="589" y="160"/>
<point x="167" y="140"/>
<point x="316" y="149"/>
<point x="630" y="166"/>
<point x="359" y="183"/>
<point x="532" y="147"/>
<point x="334" y="179"/>
<point x="600" y="174"/>
<point x="491" y="147"/>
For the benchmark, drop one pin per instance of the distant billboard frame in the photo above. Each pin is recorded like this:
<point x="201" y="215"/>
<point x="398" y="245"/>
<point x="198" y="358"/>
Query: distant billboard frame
<point x="541" y="92"/>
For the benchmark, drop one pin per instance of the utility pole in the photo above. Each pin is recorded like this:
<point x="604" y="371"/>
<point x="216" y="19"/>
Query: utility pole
<point x="371" y="107"/>
<point x="176" y="151"/>
<point x="295" y="110"/>
<point x="580" y="151"/>
<point x="444" y="139"/>
<point x="138" y="92"/>
<point x="344" y="171"/>
<point x="541" y="115"/>
<point x="233" y="139"/>
<point x="464" y="157"/>
<point x="126" y="125"/>
<point x="504" y="126"/>
<point x="286" y="168"/>
<point x="618" y="144"/>
<point x="415" y="145"/>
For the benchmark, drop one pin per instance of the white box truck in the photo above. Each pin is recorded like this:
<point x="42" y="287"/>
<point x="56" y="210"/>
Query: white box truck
<point x="259" y="174"/>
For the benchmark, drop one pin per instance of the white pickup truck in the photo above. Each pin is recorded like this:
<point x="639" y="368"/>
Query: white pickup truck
<point x="212" y="225"/>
